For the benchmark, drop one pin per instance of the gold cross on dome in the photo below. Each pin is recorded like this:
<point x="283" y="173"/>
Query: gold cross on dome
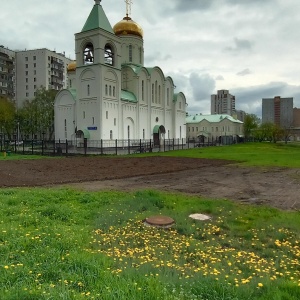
<point x="128" y="7"/>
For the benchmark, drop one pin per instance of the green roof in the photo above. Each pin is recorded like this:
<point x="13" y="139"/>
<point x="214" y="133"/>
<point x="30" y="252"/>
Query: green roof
<point x="211" y="118"/>
<point x="73" y="93"/>
<point x="97" y="19"/>
<point x="128" y="96"/>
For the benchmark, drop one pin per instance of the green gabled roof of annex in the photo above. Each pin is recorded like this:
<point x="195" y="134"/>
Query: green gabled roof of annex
<point x="128" y="96"/>
<point x="73" y="93"/>
<point x="211" y="118"/>
<point x="97" y="19"/>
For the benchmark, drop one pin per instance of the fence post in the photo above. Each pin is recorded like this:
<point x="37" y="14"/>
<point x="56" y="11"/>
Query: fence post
<point x="150" y="148"/>
<point x="164" y="145"/>
<point x="173" y="143"/>
<point x="128" y="146"/>
<point x="67" y="147"/>
<point x="141" y="146"/>
<point x="182" y="143"/>
<point x="85" y="145"/>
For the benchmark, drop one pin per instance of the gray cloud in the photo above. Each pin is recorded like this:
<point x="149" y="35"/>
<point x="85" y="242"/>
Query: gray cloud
<point x="219" y="77"/>
<point x="249" y="98"/>
<point x="240" y="45"/>
<point x="244" y="72"/>
<point x="202" y="86"/>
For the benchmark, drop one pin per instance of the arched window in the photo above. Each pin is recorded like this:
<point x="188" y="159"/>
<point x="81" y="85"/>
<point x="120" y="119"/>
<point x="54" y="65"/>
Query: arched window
<point x="130" y="53"/>
<point x="140" y="55"/>
<point x="159" y="94"/>
<point x="142" y="90"/>
<point x="108" y="55"/>
<point x="110" y="90"/>
<point x="88" y="54"/>
<point x="152" y="93"/>
<point x="128" y="132"/>
<point x="156" y="91"/>
<point x="114" y="91"/>
<point x="106" y="90"/>
<point x="88" y="89"/>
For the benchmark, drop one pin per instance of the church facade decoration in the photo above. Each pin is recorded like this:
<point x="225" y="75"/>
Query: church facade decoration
<point x="111" y="94"/>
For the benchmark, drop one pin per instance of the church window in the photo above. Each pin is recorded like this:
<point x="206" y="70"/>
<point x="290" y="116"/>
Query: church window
<point x="84" y="114"/>
<point x="110" y="90"/>
<point x="142" y="90"/>
<point x="152" y="93"/>
<point x="106" y="89"/>
<point x="140" y="55"/>
<point x="156" y="91"/>
<point x="114" y="91"/>
<point x="34" y="65"/>
<point x="26" y="66"/>
<point x="26" y="58"/>
<point x="66" y="129"/>
<point x="88" y="54"/>
<point x="108" y="55"/>
<point x="88" y="89"/>
<point x="130" y="53"/>
<point x="34" y="58"/>
<point x="26" y="87"/>
<point x="159" y="100"/>
<point x="27" y="80"/>
<point x="34" y="79"/>
<point x="34" y="72"/>
<point x="26" y="73"/>
<point x="168" y="96"/>
<point x="107" y="114"/>
<point x="111" y="134"/>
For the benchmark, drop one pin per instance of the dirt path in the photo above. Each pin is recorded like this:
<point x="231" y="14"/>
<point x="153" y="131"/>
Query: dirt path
<point x="278" y="187"/>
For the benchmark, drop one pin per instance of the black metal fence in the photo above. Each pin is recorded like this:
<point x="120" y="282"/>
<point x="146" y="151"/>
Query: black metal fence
<point x="100" y="147"/>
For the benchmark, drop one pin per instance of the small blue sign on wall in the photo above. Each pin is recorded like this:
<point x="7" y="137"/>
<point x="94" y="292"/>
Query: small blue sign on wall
<point x="92" y="128"/>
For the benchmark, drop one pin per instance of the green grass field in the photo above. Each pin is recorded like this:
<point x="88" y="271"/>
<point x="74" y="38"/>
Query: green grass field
<point x="69" y="244"/>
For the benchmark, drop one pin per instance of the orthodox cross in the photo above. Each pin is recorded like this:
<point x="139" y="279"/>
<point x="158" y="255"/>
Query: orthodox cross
<point x="128" y="7"/>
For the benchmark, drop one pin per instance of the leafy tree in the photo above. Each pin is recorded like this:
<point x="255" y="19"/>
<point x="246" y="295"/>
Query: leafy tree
<point x="250" y="124"/>
<point x="7" y="116"/>
<point x="37" y="116"/>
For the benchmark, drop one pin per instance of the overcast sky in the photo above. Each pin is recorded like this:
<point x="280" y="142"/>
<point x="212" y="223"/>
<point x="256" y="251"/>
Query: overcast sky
<point x="249" y="47"/>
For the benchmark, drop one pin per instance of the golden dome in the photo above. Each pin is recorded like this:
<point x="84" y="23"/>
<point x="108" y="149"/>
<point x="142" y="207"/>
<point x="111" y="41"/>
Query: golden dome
<point x="71" y="66"/>
<point x="128" y="26"/>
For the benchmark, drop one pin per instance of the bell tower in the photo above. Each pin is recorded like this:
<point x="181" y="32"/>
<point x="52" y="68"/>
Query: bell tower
<point x="98" y="72"/>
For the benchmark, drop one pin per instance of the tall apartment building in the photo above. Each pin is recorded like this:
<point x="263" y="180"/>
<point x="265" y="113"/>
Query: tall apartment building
<point x="7" y="73"/>
<point x="278" y="110"/>
<point x="222" y="103"/>
<point x="36" y="68"/>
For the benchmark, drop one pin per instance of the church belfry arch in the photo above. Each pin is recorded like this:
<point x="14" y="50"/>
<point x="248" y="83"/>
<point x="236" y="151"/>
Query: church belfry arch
<point x="109" y="55"/>
<point x="88" y="53"/>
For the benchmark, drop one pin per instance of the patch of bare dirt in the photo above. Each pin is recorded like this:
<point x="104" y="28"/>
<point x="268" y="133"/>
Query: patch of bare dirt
<point x="278" y="187"/>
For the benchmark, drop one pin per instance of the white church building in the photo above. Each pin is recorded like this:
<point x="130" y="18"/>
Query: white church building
<point x="111" y="94"/>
